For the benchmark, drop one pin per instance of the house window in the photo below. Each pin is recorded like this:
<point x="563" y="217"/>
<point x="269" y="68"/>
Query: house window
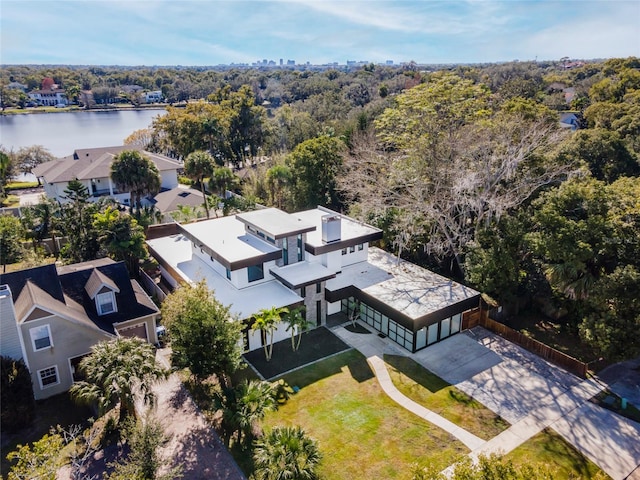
<point x="228" y="274"/>
<point x="285" y="251"/>
<point x="360" y="247"/>
<point x="344" y="251"/>
<point x="105" y="303"/>
<point x="260" y="234"/>
<point x="318" y="287"/>
<point x="41" y="337"/>
<point x="303" y="292"/>
<point x="48" y="377"/>
<point x="271" y="240"/>
<point x="352" y="248"/>
<point x="299" y="247"/>
<point x="255" y="272"/>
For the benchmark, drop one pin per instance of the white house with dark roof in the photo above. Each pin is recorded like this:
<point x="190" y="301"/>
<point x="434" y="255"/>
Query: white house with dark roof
<point x="317" y="258"/>
<point x="51" y="317"/>
<point x="92" y="167"/>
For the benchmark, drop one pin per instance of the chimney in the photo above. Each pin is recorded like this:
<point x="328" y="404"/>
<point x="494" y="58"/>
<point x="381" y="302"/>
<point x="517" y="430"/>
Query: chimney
<point x="331" y="229"/>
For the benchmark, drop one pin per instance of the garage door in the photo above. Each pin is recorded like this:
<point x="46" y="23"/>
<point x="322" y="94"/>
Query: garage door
<point x="139" y="331"/>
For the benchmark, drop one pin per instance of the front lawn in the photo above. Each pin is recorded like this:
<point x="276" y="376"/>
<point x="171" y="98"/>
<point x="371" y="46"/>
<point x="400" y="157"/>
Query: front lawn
<point x="360" y="431"/>
<point x="432" y="392"/>
<point x="551" y="449"/>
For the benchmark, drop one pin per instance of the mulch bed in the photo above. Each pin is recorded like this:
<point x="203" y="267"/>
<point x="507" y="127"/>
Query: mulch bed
<point x="357" y="328"/>
<point x="315" y="345"/>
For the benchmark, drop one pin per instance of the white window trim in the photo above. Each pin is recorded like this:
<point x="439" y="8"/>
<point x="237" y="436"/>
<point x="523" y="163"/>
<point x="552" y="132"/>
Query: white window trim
<point x="33" y="341"/>
<point x="113" y="302"/>
<point x="42" y="387"/>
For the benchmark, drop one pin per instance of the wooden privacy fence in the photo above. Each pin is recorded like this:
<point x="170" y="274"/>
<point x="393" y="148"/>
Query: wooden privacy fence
<point x="150" y="286"/>
<point x="545" y="351"/>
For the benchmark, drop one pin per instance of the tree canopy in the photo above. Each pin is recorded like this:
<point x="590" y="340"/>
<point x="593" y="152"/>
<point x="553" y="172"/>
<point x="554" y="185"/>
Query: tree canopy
<point x="204" y="336"/>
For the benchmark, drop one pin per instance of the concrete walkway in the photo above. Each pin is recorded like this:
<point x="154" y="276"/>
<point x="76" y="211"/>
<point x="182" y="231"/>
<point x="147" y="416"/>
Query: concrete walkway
<point x="382" y="374"/>
<point x="373" y="347"/>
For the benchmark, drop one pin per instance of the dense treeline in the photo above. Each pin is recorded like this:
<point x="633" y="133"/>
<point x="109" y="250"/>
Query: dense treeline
<point x="466" y="169"/>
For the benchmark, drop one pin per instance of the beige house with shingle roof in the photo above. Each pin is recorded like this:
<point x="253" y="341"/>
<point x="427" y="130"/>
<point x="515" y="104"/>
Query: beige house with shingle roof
<point x="51" y="317"/>
<point x="92" y="167"/>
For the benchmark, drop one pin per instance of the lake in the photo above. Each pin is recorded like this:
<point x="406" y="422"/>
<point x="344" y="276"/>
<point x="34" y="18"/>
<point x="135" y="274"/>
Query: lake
<point x="62" y="133"/>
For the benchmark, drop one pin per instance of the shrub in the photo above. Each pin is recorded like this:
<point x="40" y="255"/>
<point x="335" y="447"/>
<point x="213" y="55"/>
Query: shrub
<point x="17" y="405"/>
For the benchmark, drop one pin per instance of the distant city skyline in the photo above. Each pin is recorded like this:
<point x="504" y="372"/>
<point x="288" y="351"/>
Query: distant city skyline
<point x="209" y="33"/>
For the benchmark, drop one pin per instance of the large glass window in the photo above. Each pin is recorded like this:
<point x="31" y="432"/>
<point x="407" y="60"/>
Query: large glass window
<point x="40" y="337"/>
<point x="445" y="328"/>
<point x="48" y="376"/>
<point x="255" y="272"/>
<point x="455" y="323"/>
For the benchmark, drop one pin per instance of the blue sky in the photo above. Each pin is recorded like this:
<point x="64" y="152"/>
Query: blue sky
<point x="205" y="32"/>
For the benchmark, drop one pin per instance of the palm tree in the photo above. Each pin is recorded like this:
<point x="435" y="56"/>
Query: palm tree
<point x="117" y="372"/>
<point x="298" y="324"/>
<point x="197" y="166"/>
<point x="266" y="320"/>
<point x="278" y="178"/>
<point x="286" y="453"/>
<point x="131" y="171"/>
<point x="244" y="407"/>
<point x="223" y="179"/>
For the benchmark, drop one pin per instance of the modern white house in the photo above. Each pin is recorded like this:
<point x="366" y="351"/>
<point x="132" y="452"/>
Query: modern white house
<point x="317" y="258"/>
<point x="92" y="167"/>
<point x="51" y="317"/>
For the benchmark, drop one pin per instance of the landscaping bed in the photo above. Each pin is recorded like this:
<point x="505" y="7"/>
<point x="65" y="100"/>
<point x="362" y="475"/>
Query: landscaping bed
<point x="316" y="344"/>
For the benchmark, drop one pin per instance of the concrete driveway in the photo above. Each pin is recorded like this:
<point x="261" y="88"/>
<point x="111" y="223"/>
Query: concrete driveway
<point x="609" y="440"/>
<point x="499" y="374"/>
<point x="523" y="388"/>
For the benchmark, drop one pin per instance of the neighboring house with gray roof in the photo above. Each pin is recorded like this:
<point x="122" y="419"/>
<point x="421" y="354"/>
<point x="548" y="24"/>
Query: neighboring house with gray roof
<point x="92" y="167"/>
<point x="317" y="258"/>
<point x="51" y="317"/>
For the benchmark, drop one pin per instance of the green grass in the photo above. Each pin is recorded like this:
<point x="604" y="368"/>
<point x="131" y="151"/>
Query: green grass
<point x="551" y="449"/>
<point x="57" y="410"/>
<point x="432" y="392"/>
<point x="360" y="431"/>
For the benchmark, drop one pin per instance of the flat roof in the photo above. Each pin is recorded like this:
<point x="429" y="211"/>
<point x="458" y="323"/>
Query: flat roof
<point x="302" y="273"/>
<point x="243" y="302"/>
<point x="226" y="238"/>
<point x="405" y="287"/>
<point x="351" y="231"/>
<point x="275" y="222"/>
